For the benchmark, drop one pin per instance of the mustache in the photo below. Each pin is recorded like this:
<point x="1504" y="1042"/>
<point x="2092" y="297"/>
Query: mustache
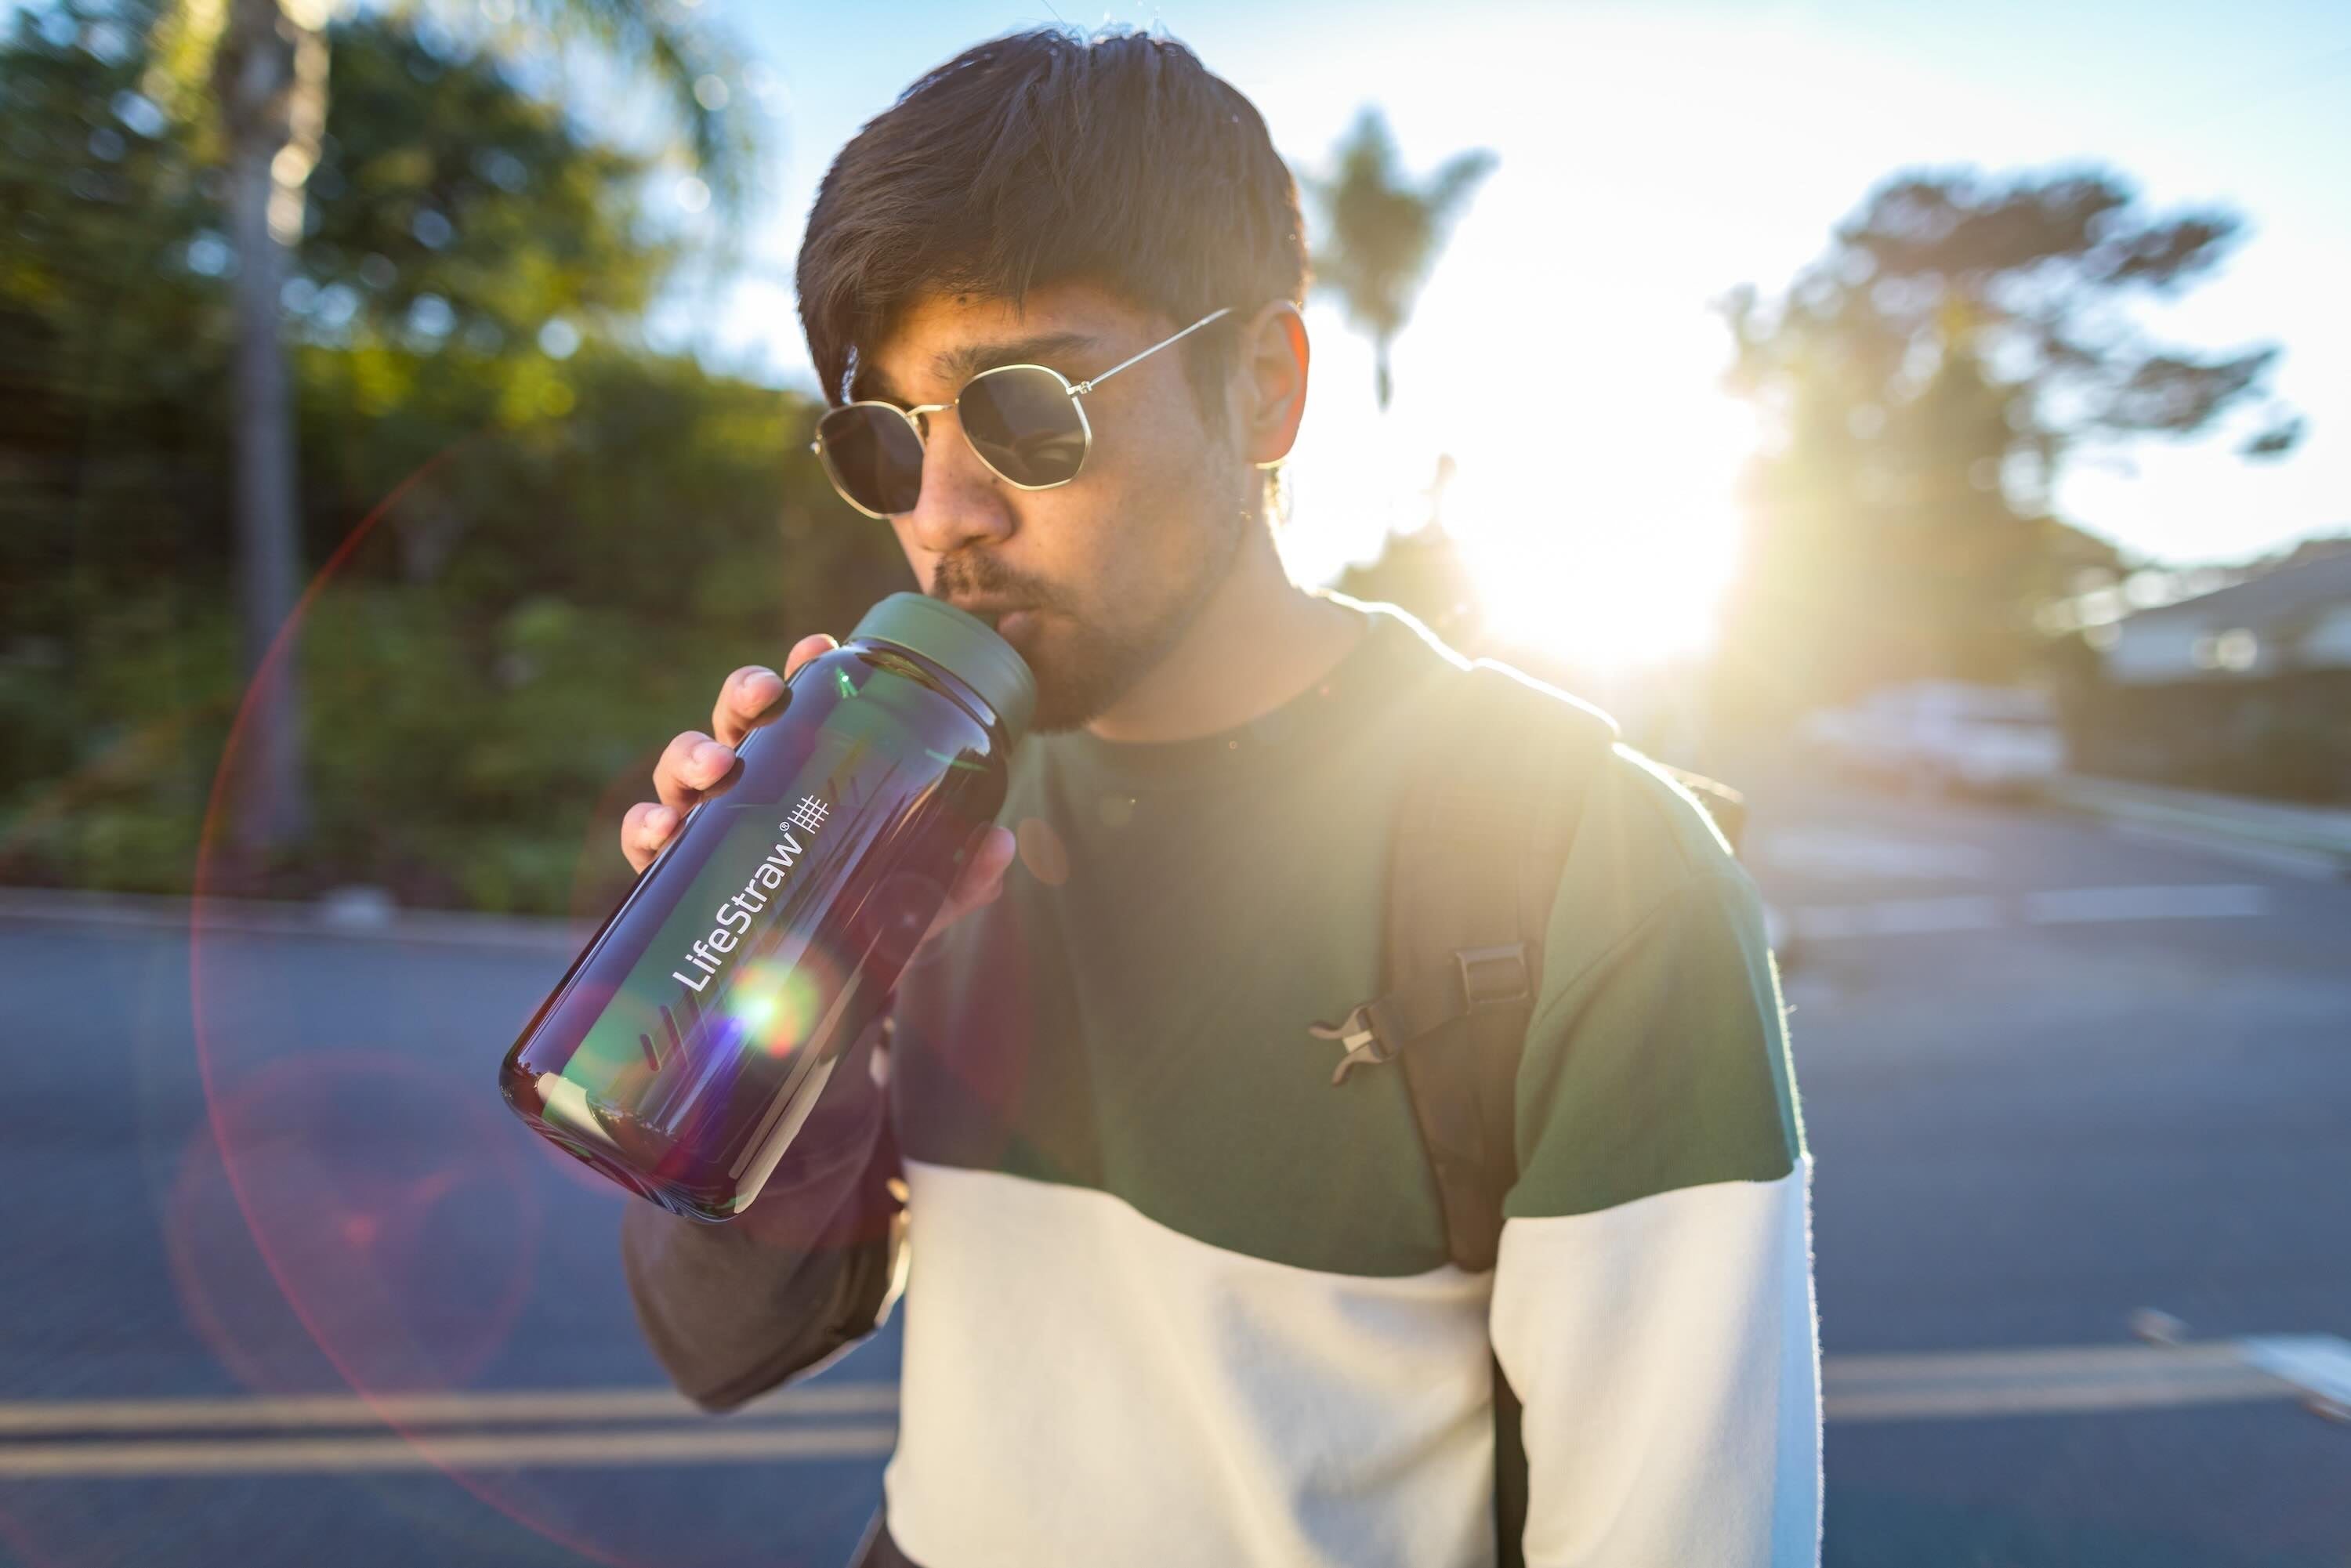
<point x="984" y="576"/>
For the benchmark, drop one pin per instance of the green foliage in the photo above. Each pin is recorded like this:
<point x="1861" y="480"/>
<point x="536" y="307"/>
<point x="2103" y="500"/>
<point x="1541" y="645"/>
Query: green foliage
<point x="1382" y="232"/>
<point x="1921" y="384"/>
<point x="542" y="565"/>
<point x="440" y="183"/>
<point x="110" y="347"/>
<point x="680" y="53"/>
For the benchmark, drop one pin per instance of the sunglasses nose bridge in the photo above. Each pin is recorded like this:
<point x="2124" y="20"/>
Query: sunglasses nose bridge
<point x="919" y="416"/>
<point x="960" y="501"/>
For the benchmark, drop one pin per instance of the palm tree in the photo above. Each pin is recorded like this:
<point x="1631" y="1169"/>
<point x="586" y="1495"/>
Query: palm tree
<point x="1381" y="233"/>
<point x="265" y="64"/>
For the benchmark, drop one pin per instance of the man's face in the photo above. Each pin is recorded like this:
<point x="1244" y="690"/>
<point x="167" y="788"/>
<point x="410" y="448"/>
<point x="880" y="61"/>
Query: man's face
<point x="1094" y="580"/>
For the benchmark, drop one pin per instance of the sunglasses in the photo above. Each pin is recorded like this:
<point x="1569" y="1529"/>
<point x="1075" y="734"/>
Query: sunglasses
<point x="1025" y="422"/>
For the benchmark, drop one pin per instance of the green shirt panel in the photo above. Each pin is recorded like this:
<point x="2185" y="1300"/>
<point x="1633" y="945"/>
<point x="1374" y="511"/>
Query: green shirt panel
<point x="1131" y="1015"/>
<point x="1657" y="1056"/>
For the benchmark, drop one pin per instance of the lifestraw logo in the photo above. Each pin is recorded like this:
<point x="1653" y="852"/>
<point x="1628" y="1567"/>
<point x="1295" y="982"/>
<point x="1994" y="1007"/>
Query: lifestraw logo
<point x="733" y="920"/>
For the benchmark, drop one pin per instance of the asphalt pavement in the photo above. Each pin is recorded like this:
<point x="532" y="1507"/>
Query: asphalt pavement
<point x="286" y="1285"/>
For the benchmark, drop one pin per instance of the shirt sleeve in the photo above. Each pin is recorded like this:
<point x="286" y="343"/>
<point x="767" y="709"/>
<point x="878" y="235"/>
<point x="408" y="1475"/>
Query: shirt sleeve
<point x="809" y="1269"/>
<point x="1653" y="1300"/>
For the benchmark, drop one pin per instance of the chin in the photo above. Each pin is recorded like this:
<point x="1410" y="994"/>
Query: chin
<point x="1066" y="705"/>
<point x="1076" y="678"/>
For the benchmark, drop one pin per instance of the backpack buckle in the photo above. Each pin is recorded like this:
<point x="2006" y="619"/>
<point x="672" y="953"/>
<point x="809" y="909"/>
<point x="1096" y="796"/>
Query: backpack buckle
<point x="1360" y="1034"/>
<point x="1493" y="976"/>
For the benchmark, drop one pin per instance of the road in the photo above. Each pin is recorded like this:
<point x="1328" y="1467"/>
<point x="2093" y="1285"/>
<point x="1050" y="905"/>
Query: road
<point x="2052" y="1076"/>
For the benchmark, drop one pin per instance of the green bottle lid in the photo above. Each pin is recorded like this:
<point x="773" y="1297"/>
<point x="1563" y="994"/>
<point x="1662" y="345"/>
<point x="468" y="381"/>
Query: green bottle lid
<point x="963" y="644"/>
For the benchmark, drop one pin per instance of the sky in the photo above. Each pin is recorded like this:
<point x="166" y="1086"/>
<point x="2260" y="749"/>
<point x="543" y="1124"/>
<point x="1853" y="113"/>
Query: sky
<point x="1651" y="157"/>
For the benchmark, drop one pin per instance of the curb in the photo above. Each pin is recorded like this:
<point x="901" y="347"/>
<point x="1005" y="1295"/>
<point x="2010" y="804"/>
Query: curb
<point x="2321" y="834"/>
<point x="348" y="920"/>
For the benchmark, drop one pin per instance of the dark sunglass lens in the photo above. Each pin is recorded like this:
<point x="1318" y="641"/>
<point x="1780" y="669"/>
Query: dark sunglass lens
<point x="1024" y="424"/>
<point x="873" y="456"/>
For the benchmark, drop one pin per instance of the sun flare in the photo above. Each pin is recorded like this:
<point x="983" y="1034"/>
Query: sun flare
<point x="1614" y="558"/>
<point x="1600" y="528"/>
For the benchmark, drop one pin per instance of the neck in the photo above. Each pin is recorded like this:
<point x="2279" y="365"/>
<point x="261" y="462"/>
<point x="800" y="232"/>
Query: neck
<point x="1257" y="642"/>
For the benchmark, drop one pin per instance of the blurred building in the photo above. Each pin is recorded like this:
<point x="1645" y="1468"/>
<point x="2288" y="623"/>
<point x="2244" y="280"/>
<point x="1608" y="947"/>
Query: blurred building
<point x="2248" y="688"/>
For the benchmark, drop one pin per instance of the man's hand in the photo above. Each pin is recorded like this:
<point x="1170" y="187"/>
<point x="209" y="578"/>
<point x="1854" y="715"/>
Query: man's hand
<point x="694" y="761"/>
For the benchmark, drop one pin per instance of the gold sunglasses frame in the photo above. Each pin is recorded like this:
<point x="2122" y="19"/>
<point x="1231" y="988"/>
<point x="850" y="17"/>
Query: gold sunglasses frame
<point x="913" y="416"/>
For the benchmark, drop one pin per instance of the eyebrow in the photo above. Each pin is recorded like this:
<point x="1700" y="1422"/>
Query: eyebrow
<point x="956" y="366"/>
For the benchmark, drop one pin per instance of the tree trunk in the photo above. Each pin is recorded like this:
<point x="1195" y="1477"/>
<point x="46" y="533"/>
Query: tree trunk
<point x="1383" y="383"/>
<point x="270" y="78"/>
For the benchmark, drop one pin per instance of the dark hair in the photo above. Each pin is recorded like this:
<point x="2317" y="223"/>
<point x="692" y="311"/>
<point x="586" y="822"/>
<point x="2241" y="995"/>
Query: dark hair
<point x="1043" y="157"/>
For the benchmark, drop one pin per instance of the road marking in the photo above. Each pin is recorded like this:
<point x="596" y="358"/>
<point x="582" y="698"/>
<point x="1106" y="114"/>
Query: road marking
<point x="1944" y="1386"/>
<point x="2070" y="1381"/>
<point x="2311" y="865"/>
<point x="507" y="1452"/>
<point x="1849" y="855"/>
<point x="2214" y="901"/>
<point x="2048" y="907"/>
<point x="2318" y="1363"/>
<point x="488" y="1408"/>
<point x="1895" y="917"/>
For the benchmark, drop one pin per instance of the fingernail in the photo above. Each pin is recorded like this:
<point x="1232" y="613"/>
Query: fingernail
<point x="711" y="756"/>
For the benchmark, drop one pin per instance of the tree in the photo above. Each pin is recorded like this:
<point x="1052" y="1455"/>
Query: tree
<point x="266" y="62"/>
<point x="270" y="74"/>
<point x="1381" y="233"/>
<point x="572" y="532"/>
<point x="1921" y="385"/>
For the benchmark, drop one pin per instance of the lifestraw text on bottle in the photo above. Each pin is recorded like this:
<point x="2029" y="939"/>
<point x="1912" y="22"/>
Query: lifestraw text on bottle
<point x="733" y="920"/>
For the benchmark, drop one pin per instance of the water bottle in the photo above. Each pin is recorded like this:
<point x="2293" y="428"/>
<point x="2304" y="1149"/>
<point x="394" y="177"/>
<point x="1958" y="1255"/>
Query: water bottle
<point x="689" y="1040"/>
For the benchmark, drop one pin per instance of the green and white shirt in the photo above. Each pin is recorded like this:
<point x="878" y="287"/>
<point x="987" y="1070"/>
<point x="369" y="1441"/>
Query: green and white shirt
<point x="1175" y="1297"/>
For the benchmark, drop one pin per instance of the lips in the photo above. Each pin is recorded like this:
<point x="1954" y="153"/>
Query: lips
<point x="992" y="610"/>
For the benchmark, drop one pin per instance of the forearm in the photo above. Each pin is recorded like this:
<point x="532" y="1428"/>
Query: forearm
<point x="733" y="1310"/>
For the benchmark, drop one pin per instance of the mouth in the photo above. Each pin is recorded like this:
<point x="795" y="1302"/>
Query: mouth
<point x="994" y="612"/>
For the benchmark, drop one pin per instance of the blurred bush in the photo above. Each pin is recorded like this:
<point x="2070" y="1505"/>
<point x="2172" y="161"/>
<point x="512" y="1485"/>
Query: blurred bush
<point x="549" y="542"/>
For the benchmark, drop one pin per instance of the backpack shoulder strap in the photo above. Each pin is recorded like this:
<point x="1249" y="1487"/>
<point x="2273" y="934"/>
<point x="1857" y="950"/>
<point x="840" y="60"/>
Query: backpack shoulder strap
<point x="1474" y="865"/>
<point x="1480" y="845"/>
<point x="1482" y="838"/>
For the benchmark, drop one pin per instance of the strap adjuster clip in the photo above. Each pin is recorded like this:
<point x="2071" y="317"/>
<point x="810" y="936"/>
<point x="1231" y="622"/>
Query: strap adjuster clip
<point x="1506" y="978"/>
<point x="1355" y="1031"/>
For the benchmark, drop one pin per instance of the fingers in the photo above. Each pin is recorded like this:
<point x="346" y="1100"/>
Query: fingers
<point x="747" y="695"/>
<point x="807" y="648"/>
<point x="743" y="696"/>
<point x="693" y="761"/>
<point x="689" y="765"/>
<point x="644" y="830"/>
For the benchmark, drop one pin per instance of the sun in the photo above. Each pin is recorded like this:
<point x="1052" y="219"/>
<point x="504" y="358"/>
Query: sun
<point x="1613" y="554"/>
<point x="1594" y="502"/>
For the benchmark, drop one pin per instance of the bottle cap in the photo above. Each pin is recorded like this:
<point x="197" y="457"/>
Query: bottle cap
<point x="963" y="644"/>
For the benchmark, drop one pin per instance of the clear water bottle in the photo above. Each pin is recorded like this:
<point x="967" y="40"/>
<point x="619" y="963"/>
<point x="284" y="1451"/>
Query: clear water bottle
<point x="690" y="1038"/>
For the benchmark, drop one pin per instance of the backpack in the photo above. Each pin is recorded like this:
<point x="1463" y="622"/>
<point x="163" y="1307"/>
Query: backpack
<point x="1479" y="847"/>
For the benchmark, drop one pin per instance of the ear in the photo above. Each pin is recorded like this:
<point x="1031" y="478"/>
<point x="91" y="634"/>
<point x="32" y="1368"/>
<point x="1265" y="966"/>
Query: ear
<point x="1271" y="368"/>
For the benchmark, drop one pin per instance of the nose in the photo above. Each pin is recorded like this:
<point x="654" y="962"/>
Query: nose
<point x="962" y="502"/>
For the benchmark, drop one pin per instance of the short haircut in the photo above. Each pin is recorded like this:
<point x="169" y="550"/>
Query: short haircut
<point x="1045" y="157"/>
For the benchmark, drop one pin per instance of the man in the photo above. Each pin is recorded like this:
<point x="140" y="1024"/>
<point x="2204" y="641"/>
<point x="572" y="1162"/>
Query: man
<point x="1176" y="1296"/>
